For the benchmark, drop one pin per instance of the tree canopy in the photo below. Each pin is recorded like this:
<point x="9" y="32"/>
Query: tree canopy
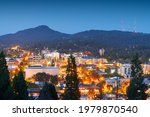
<point x="72" y="82"/>
<point x="6" y="91"/>
<point x="48" y="92"/>
<point x="20" y="87"/>
<point x="136" y="89"/>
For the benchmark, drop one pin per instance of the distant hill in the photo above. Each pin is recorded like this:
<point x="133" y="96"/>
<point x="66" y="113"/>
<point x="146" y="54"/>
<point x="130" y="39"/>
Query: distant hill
<point x="114" y="38"/>
<point x="117" y="42"/>
<point x="37" y="34"/>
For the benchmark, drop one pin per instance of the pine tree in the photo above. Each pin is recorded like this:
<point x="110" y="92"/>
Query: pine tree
<point x="136" y="89"/>
<point x="20" y="87"/>
<point x="48" y="92"/>
<point x="72" y="82"/>
<point x="6" y="91"/>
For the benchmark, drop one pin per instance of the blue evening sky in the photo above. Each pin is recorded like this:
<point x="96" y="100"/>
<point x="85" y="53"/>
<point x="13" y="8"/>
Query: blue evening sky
<point x="71" y="16"/>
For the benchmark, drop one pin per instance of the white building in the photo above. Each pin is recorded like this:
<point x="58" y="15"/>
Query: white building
<point x="53" y="55"/>
<point x="101" y="51"/>
<point x="32" y="70"/>
<point x="125" y="70"/>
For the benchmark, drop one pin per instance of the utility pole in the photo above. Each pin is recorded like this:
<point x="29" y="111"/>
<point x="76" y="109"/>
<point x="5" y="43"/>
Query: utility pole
<point x="117" y="88"/>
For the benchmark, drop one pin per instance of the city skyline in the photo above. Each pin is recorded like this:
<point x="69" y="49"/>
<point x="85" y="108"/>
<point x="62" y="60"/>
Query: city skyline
<point x="75" y="16"/>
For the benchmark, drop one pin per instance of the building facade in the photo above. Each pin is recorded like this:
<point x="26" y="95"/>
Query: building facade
<point x="32" y="70"/>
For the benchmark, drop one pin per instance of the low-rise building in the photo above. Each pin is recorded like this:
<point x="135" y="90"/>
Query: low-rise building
<point x="32" y="70"/>
<point x="91" y="60"/>
<point x="125" y="70"/>
<point x="146" y="68"/>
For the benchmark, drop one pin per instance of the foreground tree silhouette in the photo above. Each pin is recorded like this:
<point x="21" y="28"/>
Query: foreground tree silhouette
<point x="72" y="81"/>
<point x="20" y="87"/>
<point x="44" y="77"/>
<point x="136" y="89"/>
<point x="48" y="92"/>
<point x="6" y="91"/>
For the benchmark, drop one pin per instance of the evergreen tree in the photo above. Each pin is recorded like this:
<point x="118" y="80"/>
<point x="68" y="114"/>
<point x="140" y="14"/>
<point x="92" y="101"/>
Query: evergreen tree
<point x="136" y="89"/>
<point x="6" y="91"/>
<point x="48" y="92"/>
<point x="72" y="82"/>
<point x="20" y="87"/>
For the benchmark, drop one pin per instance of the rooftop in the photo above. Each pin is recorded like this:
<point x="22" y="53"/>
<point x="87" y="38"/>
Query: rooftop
<point x="42" y="67"/>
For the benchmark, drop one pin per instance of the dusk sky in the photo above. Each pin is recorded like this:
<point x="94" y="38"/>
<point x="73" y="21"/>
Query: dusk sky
<point x="71" y="16"/>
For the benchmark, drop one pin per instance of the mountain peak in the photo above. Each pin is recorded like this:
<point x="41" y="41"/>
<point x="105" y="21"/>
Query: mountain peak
<point x="43" y="26"/>
<point x="36" y="34"/>
<point x="43" y="29"/>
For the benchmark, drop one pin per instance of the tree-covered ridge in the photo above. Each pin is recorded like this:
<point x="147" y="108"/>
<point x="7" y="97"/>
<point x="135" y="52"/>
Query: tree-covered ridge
<point x="118" y="44"/>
